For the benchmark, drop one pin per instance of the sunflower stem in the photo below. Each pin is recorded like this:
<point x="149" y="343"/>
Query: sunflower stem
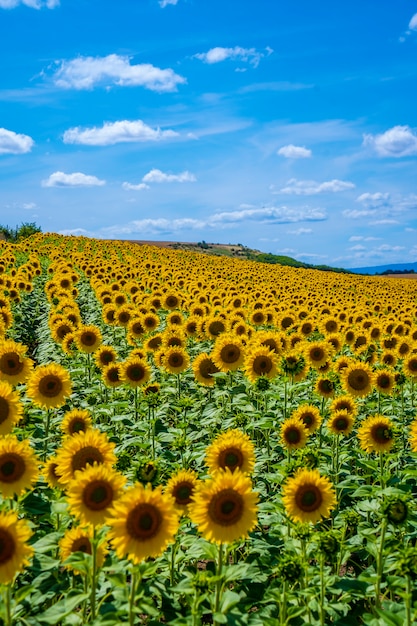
<point x="408" y="598"/>
<point x="306" y="577"/>
<point x="47" y="427"/>
<point x="134" y="581"/>
<point x="172" y="563"/>
<point x="94" y="576"/>
<point x="219" y="583"/>
<point x="8" y="594"/>
<point x="136" y="403"/>
<point x="322" y="591"/>
<point x="381" y="469"/>
<point x="283" y="605"/>
<point x="380" y="563"/>
<point x="285" y="399"/>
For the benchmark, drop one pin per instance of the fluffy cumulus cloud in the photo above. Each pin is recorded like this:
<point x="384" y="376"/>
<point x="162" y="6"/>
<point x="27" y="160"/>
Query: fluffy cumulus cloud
<point x="33" y="4"/>
<point x="133" y="187"/>
<point x="311" y="187"/>
<point x="77" y="179"/>
<point x="14" y="143"/>
<point x="247" y="55"/>
<point x="294" y="152"/>
<point x="413" y="22"/>
<point x="164" y="3"/>
<point x="87" y="72"/>
<point x="399" y="141"/>
<point x="275" y="215"/>
<point x="373" y="199"/>
<point x="156" y="176"/>
<point x="300" y="231"/>
<point x="111" y="133"/>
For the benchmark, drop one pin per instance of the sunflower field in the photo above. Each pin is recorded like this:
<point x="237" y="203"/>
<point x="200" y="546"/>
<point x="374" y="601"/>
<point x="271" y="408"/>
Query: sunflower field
<point x="188" y="439"/>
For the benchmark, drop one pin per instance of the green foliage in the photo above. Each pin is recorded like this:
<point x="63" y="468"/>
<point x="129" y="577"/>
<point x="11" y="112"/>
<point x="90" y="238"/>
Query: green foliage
<point x="25" y="230"/>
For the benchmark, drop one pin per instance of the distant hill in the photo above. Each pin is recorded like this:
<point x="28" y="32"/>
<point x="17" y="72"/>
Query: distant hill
<point x="392" y="268"/>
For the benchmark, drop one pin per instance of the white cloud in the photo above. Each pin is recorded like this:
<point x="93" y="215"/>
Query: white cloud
<point x="384" y="222"/>
<point x="77" y="179"/>
<point x="218" y="54"/>
<point x="399" y="141"/>
<point x="86" y="72"/>
<point x="14" y="143"/>
<point x="33" y="4"/>
<point x="385" y="247"/>
<point x="357" y="213"/>
<point x="373" y="199"/>
<point x="130" y="187"/>
<point x="311" y="255"/>
<point x="164" y="3"/>
<point x="156" y="176"/>
<point x="116" y="132"/>
<point x="362" y="238"/>
<point x="300" y="231"/>
<point x="294" y="152"/>
<point x="274" y="215"/>
<point x="357" y="247"/>
<point x="156" y="226"/>
<point x="311" y="187"/>
<point x="413" y="22"/>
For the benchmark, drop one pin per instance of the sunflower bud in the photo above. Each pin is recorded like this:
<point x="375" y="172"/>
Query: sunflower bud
<point x="395" y="509"/>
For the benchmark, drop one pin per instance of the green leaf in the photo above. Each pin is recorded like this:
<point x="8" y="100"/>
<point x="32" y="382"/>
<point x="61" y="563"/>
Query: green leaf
<point x="63" y="608"/>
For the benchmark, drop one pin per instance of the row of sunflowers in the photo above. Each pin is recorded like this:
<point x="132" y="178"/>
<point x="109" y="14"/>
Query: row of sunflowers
<point x="188" y="439"/>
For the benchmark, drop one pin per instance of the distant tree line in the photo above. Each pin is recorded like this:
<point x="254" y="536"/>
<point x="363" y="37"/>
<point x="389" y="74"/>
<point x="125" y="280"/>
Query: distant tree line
<point x="14" y="235"/>
<point x="385" y="272"/>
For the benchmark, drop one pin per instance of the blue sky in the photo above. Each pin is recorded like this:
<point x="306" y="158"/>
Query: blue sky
<point x="290" y="127"/>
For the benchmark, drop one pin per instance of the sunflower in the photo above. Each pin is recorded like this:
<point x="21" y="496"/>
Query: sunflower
<point x="92" y="493"/>
<point x="49" y="473"/>
<point x="293" y="434"/>
<point x="293" y="364"/>
<point x="135" y="372"/>
<point x="49" y="386"/>
<point x="15" y="366"/>
<point x="14" y="550"/>
<point x="11" y="409"/>
<point x="233" y="450"/>
<point x="181" y="487"/>
<point x="261" y="361"/>
<point x="81" y="450"/>
<point x="317" y="353"/>
<point x="18" y="466"/>
<point x="224" y="507"/>
<point x="150" y="321"/>
<point x="214" y="326"/>
<point x="357" y="379"/>
<point x="111" y="375"/>
<point x="153" y="343"/>
<point x="175" y="360"/>
<point x="68" y="344"/>
<point x="170" y="301"/>
<point x="384" y="381"/>
<point x="375" y="434"/>
<point x="104" y="356"/>
<point x="413" y="435"/>
<point x="410" y="366"/>
<point x="341" y="422"/>
<point x="143" y="522"/>
<point x="309" y="415"/>
<point x="344" y="403"/>
<point x="308" y="496"/>
<point x="79" y="540"/>
<point x="61" y="329"/>
<point x="88" y="338"/>
<point x="203" y="369"/>
<point x="228" y="353"/>
<point x="75" y="421"/>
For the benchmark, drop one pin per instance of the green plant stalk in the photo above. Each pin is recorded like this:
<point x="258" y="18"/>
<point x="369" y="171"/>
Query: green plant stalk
<point x="94" y="576"/>
<point x="8" y="603"/>
<point x="172" y="562"/>
<point x="285" y="399"/>
<point x="194" y="610"/>
<point x="136" y="403"/>
<point x="380" y="563"/>
<point x="408" y="599"/>
<point x="219" y="582"/>
<point x="283" y="605"/>
<point x="134" y="581"/>
<point x="381" y="469"/>
<point x="47" y="427"/>
<point x="306" y="578"/>
<point x="322" y="591"/>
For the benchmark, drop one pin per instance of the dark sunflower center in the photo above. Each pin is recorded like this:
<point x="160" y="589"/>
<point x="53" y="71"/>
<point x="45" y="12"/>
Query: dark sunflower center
<point x="77" y="425"/>
<point x="358" y="380"/>
<point x="230" y="354"/>
<point x="82" y="545"/>
<point x="381" y="434"/>
<point x="98" y="495"/>
<point x="12" y="467"/>
<point x="207" y="368"/>
<point x="412" y="365"/>
<point x="175" y="360"/>
<point x="88" y="339"/>
<point x="308" y="498"/>
<point x="231" y="457"/>
<point x="50" y="386"/>
<point x="135" y="372"/>
<point x="4" y="410"/>
<point x="226" y="507"/>
<point x="183" y="492"/>
<point x="143" y="522"/>
<point x="7" y="546"/>
<point x="262" y="365"/>
<point x="86" y="456"/>
<point x="113" y="375"/>
<point x="10" y="364"/>
<point x="217" y="327"/>
<point x="341" y="423"/>
<point x="308" y="419"/>
<point x="316" y="354"/>
<point x="292" y="435"/>
<point x="384" y="381"/>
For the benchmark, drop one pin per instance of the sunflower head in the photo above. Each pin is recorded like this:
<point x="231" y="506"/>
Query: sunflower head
<point x="79" y="539"/>
<point x="181" y="487"/>
<point x="309" y="415"/>
<point x="308" y="496"/>
<point x="231" y="450"/>
<point x="75" y="421"/>
<point x="11" y="409"/>
<point x="293" y="434"/>
<point x="14" y="549"/>
<point x="376" y="434"/>
<point x="18" y="466"/>
<point x="341" y="422"/>
<point x="49" y="386"/>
